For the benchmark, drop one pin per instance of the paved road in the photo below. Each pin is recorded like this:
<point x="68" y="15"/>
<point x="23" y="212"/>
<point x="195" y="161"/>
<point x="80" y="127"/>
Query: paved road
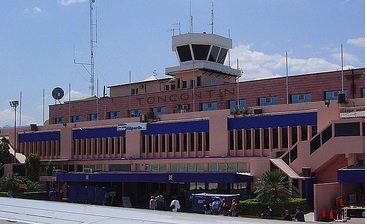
<point x="14" y="210"/>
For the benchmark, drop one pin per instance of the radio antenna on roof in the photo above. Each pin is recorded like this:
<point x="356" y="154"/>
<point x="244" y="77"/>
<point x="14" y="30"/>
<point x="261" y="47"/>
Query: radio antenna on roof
<point x="191" y="21"/>
<point x="92" y="42"/>
<point x="212" y="23"/>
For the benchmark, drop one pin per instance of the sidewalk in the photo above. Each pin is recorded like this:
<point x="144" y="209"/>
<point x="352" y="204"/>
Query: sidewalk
<point x="309" y="217"/>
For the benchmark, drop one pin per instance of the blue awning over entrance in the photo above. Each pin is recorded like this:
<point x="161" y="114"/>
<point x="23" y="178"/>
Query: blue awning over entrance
<point x="212" y="177"/>
<point x="351" y="175"/>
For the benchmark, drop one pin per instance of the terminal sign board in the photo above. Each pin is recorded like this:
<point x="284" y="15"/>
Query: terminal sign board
<point x="132" y="127"/>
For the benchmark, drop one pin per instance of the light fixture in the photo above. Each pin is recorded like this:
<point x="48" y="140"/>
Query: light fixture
<point x="14" y="104"/>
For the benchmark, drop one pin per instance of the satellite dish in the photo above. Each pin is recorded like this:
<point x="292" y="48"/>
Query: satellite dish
<point x="57" y="93"/>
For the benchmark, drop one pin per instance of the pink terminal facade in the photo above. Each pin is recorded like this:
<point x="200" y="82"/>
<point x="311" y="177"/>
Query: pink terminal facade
<point x="200" y="130"/>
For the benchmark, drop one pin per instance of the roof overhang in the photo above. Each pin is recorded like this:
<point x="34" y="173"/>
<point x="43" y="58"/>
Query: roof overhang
<point x="286" y="169"/>
<point x="208" y="177"/>
<point x="203" y="65"/>
<point x="351" y="175"/>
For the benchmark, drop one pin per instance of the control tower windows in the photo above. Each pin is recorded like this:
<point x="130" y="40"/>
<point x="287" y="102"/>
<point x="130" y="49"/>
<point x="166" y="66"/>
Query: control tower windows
<point x="222" y="55"/>
<point x="184" y="53"/>
<point x="214" y="54"/>
<point x="200" y="51"/>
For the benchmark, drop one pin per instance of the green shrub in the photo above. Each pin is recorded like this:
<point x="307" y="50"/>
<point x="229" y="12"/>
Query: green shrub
<point x="252" y="207"/>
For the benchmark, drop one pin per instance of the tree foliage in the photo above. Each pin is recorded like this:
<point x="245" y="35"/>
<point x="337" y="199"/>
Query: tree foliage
<point x="11" y="183"/>
<point x="273" y="187"/>
<point x="49" y="168"/>
<point x="33" y="166"/>
<point x="5" y="156"/>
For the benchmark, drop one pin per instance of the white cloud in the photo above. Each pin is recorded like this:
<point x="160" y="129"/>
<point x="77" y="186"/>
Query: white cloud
<point x="7" y="119"/>
<point x="75" y="95"/>
<point x="34" y="10"/>
<point x="258" y="65"/>
<point x="69" y="2"/>
<point x="356" y="42"/>
<point x="348" y="58"/>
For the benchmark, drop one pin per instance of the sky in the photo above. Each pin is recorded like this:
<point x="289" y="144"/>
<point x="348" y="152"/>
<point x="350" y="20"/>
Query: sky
<point x="41" y="39"/>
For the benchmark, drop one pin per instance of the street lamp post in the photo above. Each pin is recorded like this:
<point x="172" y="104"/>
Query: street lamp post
<point x="14" y="104"/>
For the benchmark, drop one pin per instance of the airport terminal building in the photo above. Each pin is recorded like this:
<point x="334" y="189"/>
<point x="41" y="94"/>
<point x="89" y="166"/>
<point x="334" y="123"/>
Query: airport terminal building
<point x="201" y="130"/>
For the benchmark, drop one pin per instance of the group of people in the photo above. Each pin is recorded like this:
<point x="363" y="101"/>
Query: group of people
<point x="159" y="202"/>
<point x="55" y="194"/>
<point x="217" y="206"/>
<point x="299" y="217"/>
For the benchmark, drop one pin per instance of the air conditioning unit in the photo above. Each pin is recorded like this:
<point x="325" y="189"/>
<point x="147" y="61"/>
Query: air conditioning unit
<point x="185" y="107"/>
<point x="143" y="118"/>
<point x="341" y="98"/>
<point x="150" y="115"/>
<point x="33" y="127"/>
<point x="87" y="170"/>
<point x="233" y="110"/>
<point x="258" y="111"/>
<point x="176" y="107"/>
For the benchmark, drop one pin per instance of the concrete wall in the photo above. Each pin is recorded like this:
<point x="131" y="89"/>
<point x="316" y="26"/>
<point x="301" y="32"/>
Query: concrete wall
<point x="325" y="197"/>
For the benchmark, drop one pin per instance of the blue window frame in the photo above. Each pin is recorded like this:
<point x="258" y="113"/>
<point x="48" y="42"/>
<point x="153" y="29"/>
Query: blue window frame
<point x="136" y="113"/>
<point x="233" y="104"/>
<point x="94" y="117"/>
<point x="76" y="118"/>
<point x="159" y="110"/>
<point x="114" y="115"/>
<point x="267" y="101"/>
<point x="59" y="120"/>
<point x="333" y="95"/>
<point x="301" y="98"/>
<point x="362" y="92"/>
<point x="209" y="106"/>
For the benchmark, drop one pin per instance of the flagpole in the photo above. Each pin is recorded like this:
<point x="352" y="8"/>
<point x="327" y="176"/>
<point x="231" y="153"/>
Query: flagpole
<point x="342" y="61"/>
<point x="286" y="73"/>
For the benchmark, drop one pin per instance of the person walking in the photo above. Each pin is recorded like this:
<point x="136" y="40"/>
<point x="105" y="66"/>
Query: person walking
<point x="287" y="216"/>
<point x="215" y="206"/>
<point x="152" y="203"/>
<point x="300" y="216"/>
<point x="233" y="209"/>
<point x="175" y="205"/>
<point x="224" y="207"/>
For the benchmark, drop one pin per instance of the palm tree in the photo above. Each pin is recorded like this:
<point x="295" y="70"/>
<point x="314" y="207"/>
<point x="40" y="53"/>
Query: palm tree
<point x="11" y="183"/>
<point x="273" y="187"/>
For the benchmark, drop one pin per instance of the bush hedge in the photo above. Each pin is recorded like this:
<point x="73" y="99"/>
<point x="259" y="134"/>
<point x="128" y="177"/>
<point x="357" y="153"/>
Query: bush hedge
<point x="40" y="195"/>
<point x="254" y="208"/>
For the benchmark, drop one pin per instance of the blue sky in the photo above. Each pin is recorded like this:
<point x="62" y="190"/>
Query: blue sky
<point x="40" y="39"/>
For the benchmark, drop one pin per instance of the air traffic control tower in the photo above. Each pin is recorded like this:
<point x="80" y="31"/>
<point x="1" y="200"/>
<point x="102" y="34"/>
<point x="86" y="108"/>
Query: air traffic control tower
<point x="202" y="51"/>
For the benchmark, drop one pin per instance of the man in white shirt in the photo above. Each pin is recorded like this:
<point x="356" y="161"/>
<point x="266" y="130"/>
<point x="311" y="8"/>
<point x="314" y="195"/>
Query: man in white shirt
<point x="175" y="205"/>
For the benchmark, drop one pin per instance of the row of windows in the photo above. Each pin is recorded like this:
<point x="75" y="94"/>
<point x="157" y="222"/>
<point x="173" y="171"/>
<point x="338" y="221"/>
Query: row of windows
<point x="207" y="106"/>
<point x="42" y="148"/>
<point x="169" y="167"/>
<point x="181" y="142"/>
<point x="242" y="139"/>
<point x="99" y="146"/>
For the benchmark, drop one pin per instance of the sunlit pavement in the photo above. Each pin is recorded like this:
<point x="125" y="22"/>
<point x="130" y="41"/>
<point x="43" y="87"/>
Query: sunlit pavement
<point x="14" y="210"/>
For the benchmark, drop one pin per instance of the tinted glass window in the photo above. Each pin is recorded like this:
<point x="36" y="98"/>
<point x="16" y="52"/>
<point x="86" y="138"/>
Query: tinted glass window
<point x="222" y="55"/>
<point x="214" y="54"/>
<point x="200" y="51"/>
<point x="184" y="53"/>
<point x="347" y="129"/>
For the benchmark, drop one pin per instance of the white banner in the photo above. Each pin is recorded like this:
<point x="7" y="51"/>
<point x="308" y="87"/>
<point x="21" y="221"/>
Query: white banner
<point x="132" y="127"/>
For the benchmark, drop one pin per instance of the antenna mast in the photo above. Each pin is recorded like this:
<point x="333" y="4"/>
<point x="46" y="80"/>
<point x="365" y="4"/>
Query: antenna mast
<point x="91" y="47"/>
<point x="191" y="21"/>
<point x="212" y="23"/>
<point x="92" y="41"/>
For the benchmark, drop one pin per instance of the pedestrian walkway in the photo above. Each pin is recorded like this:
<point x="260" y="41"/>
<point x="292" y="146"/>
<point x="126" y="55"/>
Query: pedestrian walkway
<point x="14" y="210"/>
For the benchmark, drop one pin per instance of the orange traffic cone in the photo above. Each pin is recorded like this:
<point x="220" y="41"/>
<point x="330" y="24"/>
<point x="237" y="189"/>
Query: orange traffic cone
<point x="331" y="214"/>
<point x="323" y="214"/>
